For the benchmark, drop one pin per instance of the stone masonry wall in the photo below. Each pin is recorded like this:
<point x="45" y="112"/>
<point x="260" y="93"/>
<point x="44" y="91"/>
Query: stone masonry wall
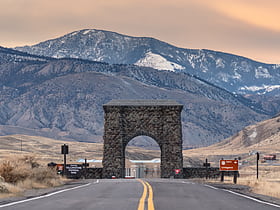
<point x="123" y="123"/>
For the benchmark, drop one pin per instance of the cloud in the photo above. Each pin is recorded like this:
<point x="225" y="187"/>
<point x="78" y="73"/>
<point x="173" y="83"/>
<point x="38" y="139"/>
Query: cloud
<point x="229" y="25"/>
<point x="259" y="13"/>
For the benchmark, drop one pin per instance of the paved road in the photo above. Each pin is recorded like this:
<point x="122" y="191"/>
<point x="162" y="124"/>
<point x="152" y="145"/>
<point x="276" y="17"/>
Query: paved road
<point x="159" y="194"/>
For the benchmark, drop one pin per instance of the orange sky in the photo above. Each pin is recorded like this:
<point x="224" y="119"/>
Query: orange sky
<point x="249" y="28"/>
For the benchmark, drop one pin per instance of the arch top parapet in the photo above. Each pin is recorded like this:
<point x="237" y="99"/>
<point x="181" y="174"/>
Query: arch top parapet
<point x="142" y="102"/>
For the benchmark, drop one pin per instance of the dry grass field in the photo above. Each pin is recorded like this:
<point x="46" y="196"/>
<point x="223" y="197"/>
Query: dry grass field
<point x="261" y="138"/>
<point x="24" y="159"/>
<point x="46" y="150"/>
<point x="49" y="150"/>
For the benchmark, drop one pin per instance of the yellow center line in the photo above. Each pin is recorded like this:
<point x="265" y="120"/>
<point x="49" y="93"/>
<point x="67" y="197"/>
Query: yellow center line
<point x="151" y="197"/>
<point x="141" y="205"/>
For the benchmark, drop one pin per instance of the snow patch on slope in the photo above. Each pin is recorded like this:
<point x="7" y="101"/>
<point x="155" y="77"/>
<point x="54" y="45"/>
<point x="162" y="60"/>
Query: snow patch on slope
<point x="254" y="134"/>
<point x="276" y="66"/>
<point x="158" y="62"/>
<point x="262" y="72"/>
<point x="88" y="31"/>
<point x="264" y="88"/>
<point x="220" y="63"/>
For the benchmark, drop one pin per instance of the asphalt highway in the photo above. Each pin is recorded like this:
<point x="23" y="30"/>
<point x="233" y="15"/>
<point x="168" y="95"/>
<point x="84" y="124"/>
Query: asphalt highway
<point x="148" y="194"/>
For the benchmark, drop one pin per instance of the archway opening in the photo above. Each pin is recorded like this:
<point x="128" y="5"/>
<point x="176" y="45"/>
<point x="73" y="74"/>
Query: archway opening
<point x="142" y="158"/>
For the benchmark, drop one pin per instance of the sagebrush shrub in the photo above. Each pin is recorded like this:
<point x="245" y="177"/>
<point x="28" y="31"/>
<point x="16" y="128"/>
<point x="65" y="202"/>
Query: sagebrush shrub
<point x="12" y="173"/>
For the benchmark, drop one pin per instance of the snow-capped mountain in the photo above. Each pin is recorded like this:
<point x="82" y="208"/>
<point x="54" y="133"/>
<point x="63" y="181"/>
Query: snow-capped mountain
<point x="13" y="56"/>
<point x="63" y="98"/>
<point x="231" y="72"/>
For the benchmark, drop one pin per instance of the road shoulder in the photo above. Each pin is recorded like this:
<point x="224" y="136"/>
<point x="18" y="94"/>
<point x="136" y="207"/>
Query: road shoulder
<point x="27" y="194"/>
<point x="241" y="189"/>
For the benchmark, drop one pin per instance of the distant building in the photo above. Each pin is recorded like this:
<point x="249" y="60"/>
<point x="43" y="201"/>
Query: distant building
<point x="269" y="157"/>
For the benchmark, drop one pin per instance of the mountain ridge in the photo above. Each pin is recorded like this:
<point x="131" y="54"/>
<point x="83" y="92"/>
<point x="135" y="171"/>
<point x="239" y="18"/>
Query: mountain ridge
<point x="231" y="72"/>
<point x="63" y="98"/>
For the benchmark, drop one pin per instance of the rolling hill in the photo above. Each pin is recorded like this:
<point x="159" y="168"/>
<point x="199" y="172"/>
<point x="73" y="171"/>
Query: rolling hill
<point x="63" y="98"/>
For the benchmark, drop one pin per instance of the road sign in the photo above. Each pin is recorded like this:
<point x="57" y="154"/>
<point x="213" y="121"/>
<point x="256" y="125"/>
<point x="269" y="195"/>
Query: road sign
<point x="64" y="149"/>
<point x="228" y="165"/>
<point x="206" y="164"/>
<point x="177" y="171"/>
<point x="74" y="171"/>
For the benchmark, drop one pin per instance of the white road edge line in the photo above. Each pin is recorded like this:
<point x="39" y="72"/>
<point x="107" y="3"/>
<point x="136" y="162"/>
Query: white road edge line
<point x="211" y="187"/>
<point x="254" y="199"/>
<point x="45" y="196"/>
<point x="245" y="196"/>
<point x="186" y="182"/>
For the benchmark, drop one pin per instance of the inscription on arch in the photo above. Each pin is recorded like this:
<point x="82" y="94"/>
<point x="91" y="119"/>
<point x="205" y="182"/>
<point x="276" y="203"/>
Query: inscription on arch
<point x="126" y="119"/>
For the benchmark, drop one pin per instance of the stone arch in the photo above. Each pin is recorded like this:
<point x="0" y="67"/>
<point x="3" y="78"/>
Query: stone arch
<point x="152" y="153"/>
<point x="126" y="119"/>
<point x="129" y="137"/>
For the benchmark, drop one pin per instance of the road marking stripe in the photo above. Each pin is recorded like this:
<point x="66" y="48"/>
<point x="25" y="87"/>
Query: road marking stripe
<point x="141" y="205"/>
<point x="43" y="196"/>
<point x="151" y="198"/>
<point x="254" y="199"/>
<point x="186" y="182"/>
<point x="245" y="196"/>
<point x="211" y="187"/>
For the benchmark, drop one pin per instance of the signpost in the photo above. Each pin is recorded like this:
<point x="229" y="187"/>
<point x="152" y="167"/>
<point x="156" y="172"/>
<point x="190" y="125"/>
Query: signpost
<point x="258" y="158"/>
<point x="229" y="165"/>
<point x="206" y="165"/>
<point x="85" y="168"/>
<point x="64" y="151"/>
